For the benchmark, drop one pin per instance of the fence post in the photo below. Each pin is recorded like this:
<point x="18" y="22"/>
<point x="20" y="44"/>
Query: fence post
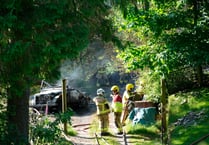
<point x="64" y="102"/>
<point x="163" y="111"/>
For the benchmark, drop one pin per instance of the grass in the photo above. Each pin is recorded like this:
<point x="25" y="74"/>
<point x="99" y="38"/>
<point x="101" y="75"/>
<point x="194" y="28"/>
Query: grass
<point x="142" y="134"/>
<point x="180" y="105"/>
<point x="71" y="131"/>
<point x="136" y="134"/>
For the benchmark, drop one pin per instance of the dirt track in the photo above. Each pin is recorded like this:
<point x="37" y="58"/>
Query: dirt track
<point x="81" y="121"/>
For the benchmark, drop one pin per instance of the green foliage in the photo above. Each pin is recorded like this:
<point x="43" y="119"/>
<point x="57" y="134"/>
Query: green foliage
<point x="66" y="116"/>
<point x="47" y="130"/>
<point x="165" y="35"/>
<point x="35" y="37"/>
<point x="152" y="86"/>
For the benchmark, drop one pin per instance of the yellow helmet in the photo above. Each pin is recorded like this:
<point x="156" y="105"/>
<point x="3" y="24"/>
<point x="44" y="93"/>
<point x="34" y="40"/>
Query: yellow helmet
<point x="129" y="87"/>
<point x="115" y="88"/>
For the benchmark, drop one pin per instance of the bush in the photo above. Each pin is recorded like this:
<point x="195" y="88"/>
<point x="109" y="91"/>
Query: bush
<point x="47" y="130"/>
<point x="151" y="84"/>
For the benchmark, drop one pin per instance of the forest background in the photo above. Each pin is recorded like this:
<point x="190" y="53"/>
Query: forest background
<point x="159" y="39"/>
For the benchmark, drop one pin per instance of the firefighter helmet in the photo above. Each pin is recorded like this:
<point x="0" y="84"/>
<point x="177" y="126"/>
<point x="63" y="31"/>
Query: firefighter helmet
<point x="129" y="87"/>
<point x="115" y="88"/>
<point x="100" y="91"/>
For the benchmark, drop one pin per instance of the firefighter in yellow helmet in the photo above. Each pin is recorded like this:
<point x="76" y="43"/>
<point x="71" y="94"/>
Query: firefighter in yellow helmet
<point x="128" y="93"/>
<point x="128" y="104"/>
<point x="103" y="110"/>
<point x="117" y="108"/>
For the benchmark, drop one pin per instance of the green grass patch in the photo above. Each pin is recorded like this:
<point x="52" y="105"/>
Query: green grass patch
<point x="149" y="131"/>
<point x="144" y="134"/>
<point x="71" y="131"/>
<point x="180" y="105"/>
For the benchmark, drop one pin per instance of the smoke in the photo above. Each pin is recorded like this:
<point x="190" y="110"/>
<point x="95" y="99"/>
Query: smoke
<point x="79" y="72"/>
<point x="71" y="73"/>
<point x="94" y="68"/>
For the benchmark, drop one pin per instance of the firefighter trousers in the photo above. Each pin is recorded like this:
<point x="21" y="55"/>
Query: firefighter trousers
<point x="117" y="119"/>
<point x="103" y="122"/>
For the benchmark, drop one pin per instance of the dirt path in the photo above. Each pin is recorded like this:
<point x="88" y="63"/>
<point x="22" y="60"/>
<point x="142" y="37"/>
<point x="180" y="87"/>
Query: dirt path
<point x="81" y="121"/>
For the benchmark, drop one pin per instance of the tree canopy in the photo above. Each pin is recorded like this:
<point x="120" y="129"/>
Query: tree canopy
<point x="35" y="36"/>
<point x="165" y="35"/>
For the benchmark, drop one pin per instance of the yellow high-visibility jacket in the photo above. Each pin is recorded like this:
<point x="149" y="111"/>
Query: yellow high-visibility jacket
<point x="102" y="105"/>
<point x="126" y="96"/>
<point x="117" y="103"/>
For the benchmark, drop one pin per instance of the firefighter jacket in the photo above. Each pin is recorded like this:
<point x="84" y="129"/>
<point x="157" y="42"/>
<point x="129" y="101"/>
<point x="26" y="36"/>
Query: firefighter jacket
<point x="117" y="103"/>
<point x="126" y="96"/>
<point x="102" y="105"/>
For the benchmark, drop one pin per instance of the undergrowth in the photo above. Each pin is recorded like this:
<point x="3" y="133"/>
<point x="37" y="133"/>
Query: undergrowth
<point x="48" y="131"/>
<point x="183" y="103"/>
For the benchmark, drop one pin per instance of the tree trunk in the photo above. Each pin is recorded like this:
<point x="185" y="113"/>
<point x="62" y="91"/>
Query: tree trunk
<point x="18" y="114"/>
<point x="164" y="111"/>
<point x="199" y="67"/>
<point x="199" y="76"/>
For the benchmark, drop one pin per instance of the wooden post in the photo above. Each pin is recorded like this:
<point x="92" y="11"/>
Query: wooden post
<point x="163" y="110"/>
<point x="64" y="102"/>
<point x="124" y="137"/>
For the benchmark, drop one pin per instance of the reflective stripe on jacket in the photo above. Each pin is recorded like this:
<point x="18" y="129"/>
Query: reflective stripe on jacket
<point x="117" y="107"/>
<point x="117" y="103"/>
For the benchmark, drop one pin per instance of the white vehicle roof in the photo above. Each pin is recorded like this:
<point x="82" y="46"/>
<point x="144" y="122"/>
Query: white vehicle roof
<point x="49" y="91"/>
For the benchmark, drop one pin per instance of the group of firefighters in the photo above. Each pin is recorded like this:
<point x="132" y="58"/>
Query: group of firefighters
<point x="121" y="106"/>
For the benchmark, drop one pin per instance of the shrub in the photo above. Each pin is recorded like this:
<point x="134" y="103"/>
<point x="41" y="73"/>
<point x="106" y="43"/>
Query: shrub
<point x="47" y="130"/>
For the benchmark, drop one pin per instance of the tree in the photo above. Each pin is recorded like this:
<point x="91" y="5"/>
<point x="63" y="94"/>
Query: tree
<point x="164" y="35"/>
<point x="35" y="36"/>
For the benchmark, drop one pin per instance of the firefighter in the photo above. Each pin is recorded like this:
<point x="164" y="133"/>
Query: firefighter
<point x="117" y="108"/>
<point x="128" y="104"/>
<point x="103" y="110"/>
